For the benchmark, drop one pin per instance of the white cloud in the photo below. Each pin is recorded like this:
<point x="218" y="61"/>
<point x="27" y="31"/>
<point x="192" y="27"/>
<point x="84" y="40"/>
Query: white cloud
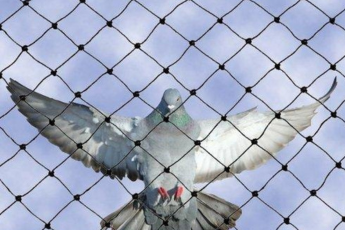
<point x="283" y="193"/>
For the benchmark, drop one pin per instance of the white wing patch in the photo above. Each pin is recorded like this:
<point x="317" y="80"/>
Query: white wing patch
<point x="229" y="143"/>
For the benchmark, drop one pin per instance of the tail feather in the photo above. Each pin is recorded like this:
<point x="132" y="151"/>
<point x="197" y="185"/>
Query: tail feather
<point x="124" y="216"/>
<point x="197" y="225"/>
<point x="212" y="211"/>
<point x="210" y="218"/>
<point x="204" y="222"/>
<point x="222" y="206"/>
<point x="136" y="222"/>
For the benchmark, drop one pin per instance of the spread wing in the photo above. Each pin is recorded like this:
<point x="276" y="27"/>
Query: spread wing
<point x="229" y="143"/>
<point x="80" y="131"/>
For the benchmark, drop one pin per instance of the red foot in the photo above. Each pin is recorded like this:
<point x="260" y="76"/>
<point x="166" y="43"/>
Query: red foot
<point x="164" y="194"/>
<point x="178" y="192"/>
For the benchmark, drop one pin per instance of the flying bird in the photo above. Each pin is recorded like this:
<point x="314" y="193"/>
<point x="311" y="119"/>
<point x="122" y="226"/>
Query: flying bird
<point x="168" y="150"/>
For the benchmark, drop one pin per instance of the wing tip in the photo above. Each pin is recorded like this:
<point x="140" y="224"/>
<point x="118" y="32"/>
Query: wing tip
<point x="330" y="91"/>
<point x="15" y="88"/>
<point x="10" y="84"/>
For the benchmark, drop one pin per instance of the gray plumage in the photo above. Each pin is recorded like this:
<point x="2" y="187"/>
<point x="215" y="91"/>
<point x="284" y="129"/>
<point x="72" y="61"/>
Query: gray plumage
<point x="211" y="213"/>
<point x="160" y="150"/>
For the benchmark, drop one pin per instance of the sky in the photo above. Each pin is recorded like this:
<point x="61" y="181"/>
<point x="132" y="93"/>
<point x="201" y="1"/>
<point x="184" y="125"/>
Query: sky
<point x="167" y="45"/>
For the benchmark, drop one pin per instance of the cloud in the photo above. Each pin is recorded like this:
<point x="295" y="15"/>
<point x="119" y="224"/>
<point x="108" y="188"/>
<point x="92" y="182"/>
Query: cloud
<point x="284" y="192"/>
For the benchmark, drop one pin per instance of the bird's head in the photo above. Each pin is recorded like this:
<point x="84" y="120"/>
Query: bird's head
<point x="171" y="100"/>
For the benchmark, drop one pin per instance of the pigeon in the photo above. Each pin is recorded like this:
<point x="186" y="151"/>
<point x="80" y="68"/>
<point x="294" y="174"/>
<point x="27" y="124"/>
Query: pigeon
<point x="168" y="150"/>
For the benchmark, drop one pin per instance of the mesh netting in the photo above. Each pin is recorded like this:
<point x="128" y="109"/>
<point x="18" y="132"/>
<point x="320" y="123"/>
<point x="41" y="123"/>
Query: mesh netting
<point x="224" y="57"/>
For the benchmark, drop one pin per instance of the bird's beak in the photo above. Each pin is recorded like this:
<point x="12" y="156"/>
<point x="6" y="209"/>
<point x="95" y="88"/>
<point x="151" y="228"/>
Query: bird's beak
<point x="171" y="107"/>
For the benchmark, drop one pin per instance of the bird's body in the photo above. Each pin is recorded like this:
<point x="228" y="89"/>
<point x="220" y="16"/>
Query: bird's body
<point x="168" y="151"/>
<point x="163" y="164"/>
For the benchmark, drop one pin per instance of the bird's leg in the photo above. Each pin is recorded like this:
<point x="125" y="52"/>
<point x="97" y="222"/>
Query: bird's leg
<point x="164" y="194"/>
<point x="178" y="193"/>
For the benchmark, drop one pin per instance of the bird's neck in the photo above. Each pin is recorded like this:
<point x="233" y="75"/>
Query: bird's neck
<point x="179" y="117"/>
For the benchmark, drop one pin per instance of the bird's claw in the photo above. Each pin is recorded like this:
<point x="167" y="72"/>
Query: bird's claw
<point x="178" y="193"/>
<point x="164" y="194"/>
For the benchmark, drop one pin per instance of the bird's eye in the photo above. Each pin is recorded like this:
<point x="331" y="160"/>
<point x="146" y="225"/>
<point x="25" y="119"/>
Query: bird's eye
<point x="178" y="99"/>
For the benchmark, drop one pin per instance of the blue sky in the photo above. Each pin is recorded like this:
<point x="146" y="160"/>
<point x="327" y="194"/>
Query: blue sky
<point x="278" y="41"/>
